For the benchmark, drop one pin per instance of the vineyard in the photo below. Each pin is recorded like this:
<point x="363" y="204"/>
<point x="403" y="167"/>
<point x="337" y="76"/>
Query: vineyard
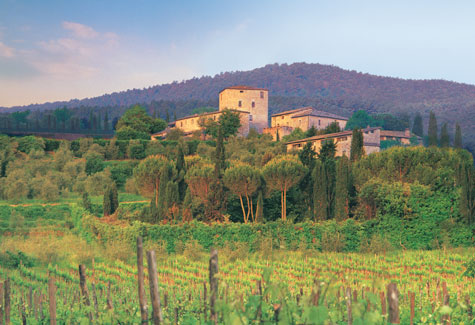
<point x="282" y="287"/>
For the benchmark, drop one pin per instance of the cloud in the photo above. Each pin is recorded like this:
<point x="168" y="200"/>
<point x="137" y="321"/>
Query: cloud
<point x="6" y="51"/>
<point x="80" y="30"/>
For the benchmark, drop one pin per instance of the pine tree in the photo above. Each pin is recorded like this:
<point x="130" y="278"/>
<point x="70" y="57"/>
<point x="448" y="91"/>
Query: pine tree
<point x="342" y="189"/>
<point x="417" y="127"/>
<point x="357" y="145"/>
<point x="444" y="137"/>
<point x="458" y="137"/>
<point x="432" y="132"/>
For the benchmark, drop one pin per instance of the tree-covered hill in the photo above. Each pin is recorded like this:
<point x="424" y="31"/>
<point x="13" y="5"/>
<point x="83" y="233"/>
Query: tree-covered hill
<point x="327" y="87"/>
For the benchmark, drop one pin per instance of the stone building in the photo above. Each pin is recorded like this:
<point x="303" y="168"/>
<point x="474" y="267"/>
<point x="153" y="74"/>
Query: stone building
<point x="404" y="137"/>
<point x="304" y="118"/>
<point x="247" y="99"/>
<point x="371" y="141"/>
<point x="251" y="104"/>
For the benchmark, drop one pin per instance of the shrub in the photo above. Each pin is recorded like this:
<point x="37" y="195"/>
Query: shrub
<point x="470" y="268"/>
<point x="376" y="245"/>
<point x="193" y="250"/>
<point x="13" y="259"/>
<point x="332" y="241"/>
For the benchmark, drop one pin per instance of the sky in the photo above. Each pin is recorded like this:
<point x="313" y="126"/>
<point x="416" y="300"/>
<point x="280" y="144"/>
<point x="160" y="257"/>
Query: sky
<point x="54" y="50"/>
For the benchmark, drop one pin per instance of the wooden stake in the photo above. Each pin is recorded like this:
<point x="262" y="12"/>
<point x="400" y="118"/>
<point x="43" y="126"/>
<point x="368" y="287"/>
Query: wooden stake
<point x="393" y="303"/>
<point x="140" y="278"/>
<point x="109" y="300"/>
<point x="154" y="289"/>
<point x="94" y="299"/>
<point x="1" y="303"/>
<point x="469" y="306"/>
<point x="52" y="301"/>
<point x="205" y="302"/>
<point x="412" y="298"/>
<point x="7" y="301"/>
<point x="84" y="291"/>
<point x="383" y="303"/>
<point x="348" y="306"/>
<point x="446" y="299"/>
<point x="213" y="284"/>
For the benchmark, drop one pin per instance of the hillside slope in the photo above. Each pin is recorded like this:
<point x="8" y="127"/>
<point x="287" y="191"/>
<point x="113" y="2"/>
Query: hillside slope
<point x="327" y="87"/>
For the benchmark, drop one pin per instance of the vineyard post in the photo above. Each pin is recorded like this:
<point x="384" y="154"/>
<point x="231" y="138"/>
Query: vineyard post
<point x="52" y="301"/>
<point x="7" y="301"/>
<point x="1" y="303"/>
<point x="393" y="303"/>
<point x="94" y="298"/>
<point x="348" y="306"/>
<point x="154" y="289"/>
<point x="109" y="300"/>
<point x="84" y="291"/>
<point x="213" y="283"/>
<point x="446" y="297"/>
<point x="30" y="299"/>
<point x="412" y="298"/>
<point x="140" y="278"/>
<point x="469" y="306"/>
<point x="383" y="303"/>
<point x="205" y="311"/>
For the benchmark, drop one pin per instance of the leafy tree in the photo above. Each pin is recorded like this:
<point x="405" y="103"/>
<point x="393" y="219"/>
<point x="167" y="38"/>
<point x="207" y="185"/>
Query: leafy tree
<point x="148" y="175"/>
<point x="307" y="155"/>
<point x="296" y="134"/>
<point x="417" y="127"/>
<point x="360" y="120"/>
<point x="94" y="163"/>
<point x="136" y="150"/>
<point x="62" y="115"/>
<point x="311" y="132"/>
<point x="128" y="133"/>
<point x="327" y="151"/>
<point x="333" y="127"/>
<point x="357" y="145"/>
<point x="20" y="117"/>
<point x="181" y="171"/>
<point x="29" y="143"/>
<point x="111" y="151"/>
<point x="136" y="122"/>
<point x="243" y="181"/>
<point x="458" y="137"/>
<point x="342" y="189"/>
<point x="198" y="178"/>
<point x="432" y="132"/>
<point x="281" y="173"/>
<point x="444" y="137"/>
<point x="229" y="122"/>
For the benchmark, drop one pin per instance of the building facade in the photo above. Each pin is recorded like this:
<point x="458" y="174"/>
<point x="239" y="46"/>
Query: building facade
<point x="404" y="137"/>
<point x="247" y="99"/>
<point x="304" y="118"/>
<point x="371" y="142"/>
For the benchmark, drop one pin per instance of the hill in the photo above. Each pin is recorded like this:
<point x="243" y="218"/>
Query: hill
<point x="326" y="87"/>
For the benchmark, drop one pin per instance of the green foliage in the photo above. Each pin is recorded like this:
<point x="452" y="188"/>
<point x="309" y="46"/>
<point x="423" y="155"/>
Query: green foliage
<point x="296" y="134"/>
<point x="137" y="120"/>
<point x="30" y="143"/>
<point x="432" y="131"/>
<point x="94" y="163"/>
<point x="417" y="127"/>
<point x="204" y="109"/>
<point x="360" y="120"/>
<point x="467" y="195"/>
<point x="110" y="200"/>
<point x="128" y="133"/>
<point x="343" y="189"/>
<point x="444" y="137"/>
<point x="386" y="144"/>
<point x="357" y="145"/>
<point x="327" y="151"/>
<point x="470" y="268"/>
<point x="458" y="137"/>
<point x="229" y="122"/>
<point x="13" y="260"/>
<point x="136" y="150"/>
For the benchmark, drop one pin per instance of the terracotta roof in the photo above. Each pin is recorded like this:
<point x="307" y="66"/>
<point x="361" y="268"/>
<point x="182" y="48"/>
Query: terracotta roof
<point x="244" y="88"/>
<point x="310" y="111"/>
<point x="331" y="135"/>
<point x="209" y="113"/>
<point x="396" y="134"/>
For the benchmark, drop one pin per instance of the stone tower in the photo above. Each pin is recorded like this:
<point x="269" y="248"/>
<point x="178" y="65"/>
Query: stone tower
<point x="247" y="99"/>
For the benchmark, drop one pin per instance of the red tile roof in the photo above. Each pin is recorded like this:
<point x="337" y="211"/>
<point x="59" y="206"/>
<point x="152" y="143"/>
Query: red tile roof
<point x="331" y="135"/>
<point x="310" y="111"/>
<point x="244" y="88"/>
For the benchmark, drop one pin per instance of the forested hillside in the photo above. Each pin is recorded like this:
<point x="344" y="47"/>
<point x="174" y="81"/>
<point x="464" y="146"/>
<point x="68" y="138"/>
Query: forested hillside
<point x="326" y="87"/>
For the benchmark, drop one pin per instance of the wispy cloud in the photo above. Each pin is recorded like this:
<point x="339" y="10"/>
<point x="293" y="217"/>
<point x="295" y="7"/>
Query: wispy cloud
<point x="6" y="51"/>
<point x="80" y="30"/>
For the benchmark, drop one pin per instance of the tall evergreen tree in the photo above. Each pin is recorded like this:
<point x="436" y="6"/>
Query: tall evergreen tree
<point x="342" y="189"/>
<point x="217" y="197"/>
<point x="444" y="136"/>
<point x="327" y="151"/>
<point x="458" y="137"/>
<point x="180" y="167"/>
<point x="167" y="116"/>
<point x="319" y="192"/>
<point x="357" y="145"/>
<point x="432" y="132"/>
<point x="260" y="207"/>
<point x="114" y="198"/>
<point x="106" y="121"/>
<point x="417" y="127"/>
<point x="467" y="197"/>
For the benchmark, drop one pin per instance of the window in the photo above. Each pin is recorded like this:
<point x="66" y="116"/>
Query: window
<point x="241" y="91"/>
<point x="319" y="122"/>
<point x="250" y="117"/>
<point x="300" y="121"/>
<point x="240" y="103"/>
<point x="181" y="123"/>
<point x="282" y="117"/>
<point x="262" y="94"/>
<point x="253" y="104"/>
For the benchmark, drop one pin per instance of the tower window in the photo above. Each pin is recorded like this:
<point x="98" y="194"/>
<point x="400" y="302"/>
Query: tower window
<point x="253" y="104"/>
<point x="241" y="91"/>
<point x="250" y="117"/>
<point x="262" y="94"/>
<point x="240" y="103"/>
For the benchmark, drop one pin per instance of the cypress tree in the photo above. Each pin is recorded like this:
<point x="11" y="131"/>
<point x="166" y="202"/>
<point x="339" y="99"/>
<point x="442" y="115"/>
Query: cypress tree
<point x="86" y="202"/>
<point x="174" y="116"/>
<point x="357" y="142"/>
<point x="277" y="136"/>
<point x="162" y="195"/>
<point x="172" y="198"/>
<point x="180" y="167"/>
<point x="432" y="132"/>
<point x="217" y="197"/>
<point x="319" y="192"/>
<point x="330" y="171"/>
<point x="458" y="137"/>
<point x="106" y="121"/>
<point x="167" y="116"/>
<point x="114" y="198"/>
<point x="467" y="197"/>
<point x="106" y="203"/>
<point x="342" y="189"/>
<point x="444" y="136"/>
<point x="417" y="127"/>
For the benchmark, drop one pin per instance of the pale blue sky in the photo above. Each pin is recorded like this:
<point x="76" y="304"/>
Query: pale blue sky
<point x="59" y="50"/>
